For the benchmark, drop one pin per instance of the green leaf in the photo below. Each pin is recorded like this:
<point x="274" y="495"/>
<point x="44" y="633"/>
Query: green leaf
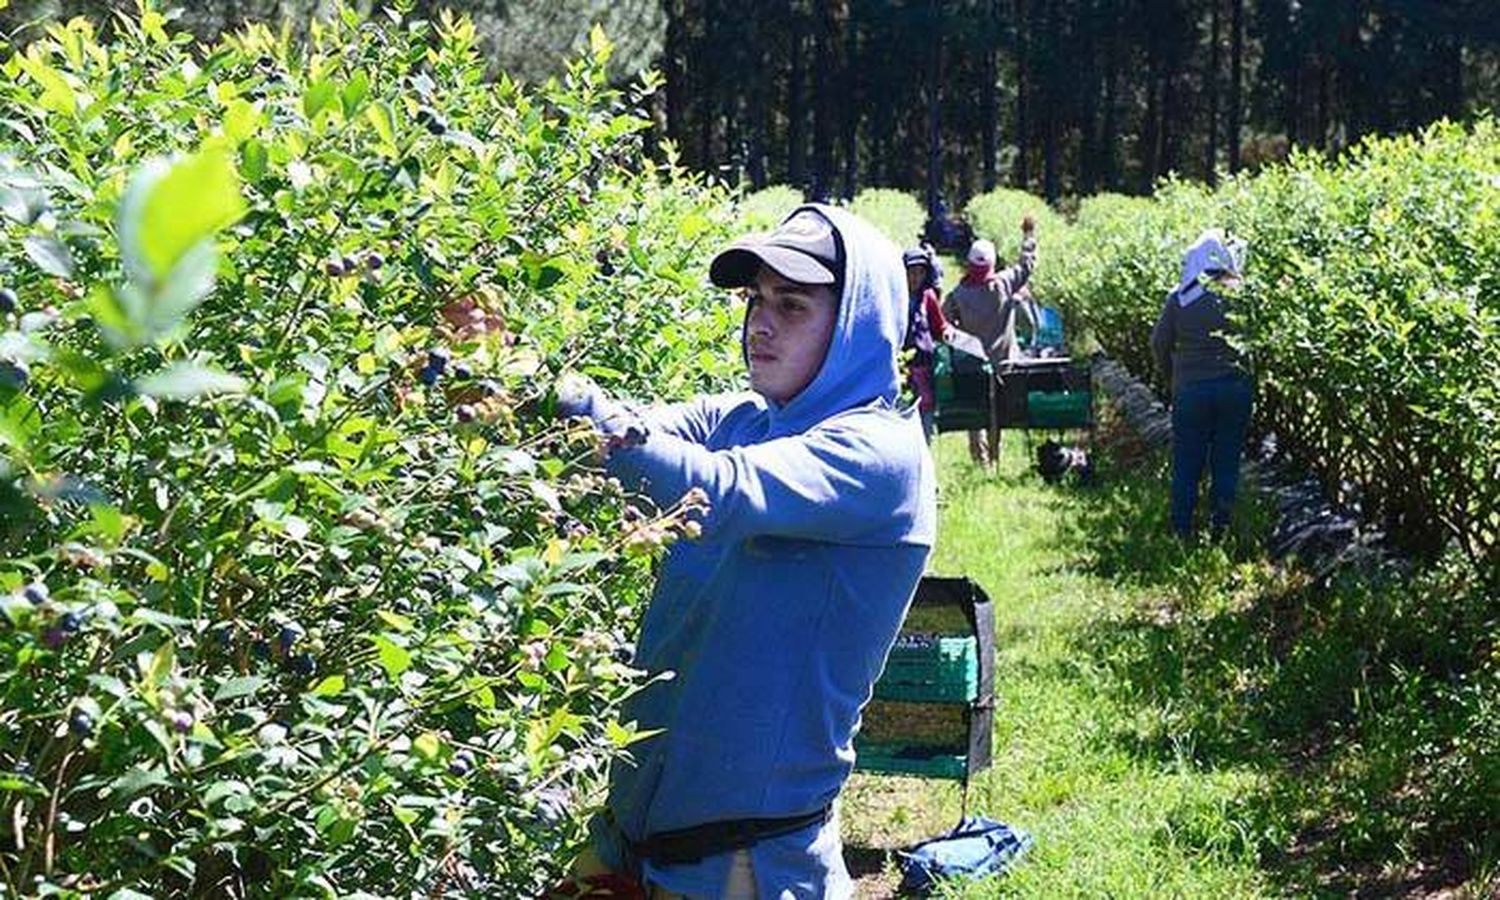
<point x="328" y="687"/>
<point x="318" y="96"/>
<point x="394" y="658"/>
<point x="185" y="381"/>
<point x="395" y="620"/>
<point x="354" y="92"/>
<point x="253" y="160"/>
<point x="427" y="745"/>
<point x="50" y="255"/>
<point x="137" y="780"/>
<point x="380" y="119"/>
<point x="242" y="686"/>
<point x="172" y="208"/>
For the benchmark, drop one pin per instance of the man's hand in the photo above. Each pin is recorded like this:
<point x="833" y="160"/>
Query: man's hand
<point x="615" y="426"/>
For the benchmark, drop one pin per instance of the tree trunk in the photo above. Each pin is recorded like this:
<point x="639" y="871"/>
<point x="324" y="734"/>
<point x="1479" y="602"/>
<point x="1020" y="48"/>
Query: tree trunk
<point x="1236" y="63"/>
<point x="849" y="107"/>
<point x="1023" y="88"/>
<point x="1109" y="136"/>
<point x="934" y="107"/>
<point x="825" y="84"/>
<point x="1052" y="100"/>
<point x="1211" y="84"/>
<point x="796" y="162"/>
<point x="990" y="93"/>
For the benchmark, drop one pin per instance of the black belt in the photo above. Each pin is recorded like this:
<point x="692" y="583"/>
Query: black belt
<point x="689" y="845"/>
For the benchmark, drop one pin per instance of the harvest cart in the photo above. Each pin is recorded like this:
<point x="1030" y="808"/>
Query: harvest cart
<point x="932" y="713"/>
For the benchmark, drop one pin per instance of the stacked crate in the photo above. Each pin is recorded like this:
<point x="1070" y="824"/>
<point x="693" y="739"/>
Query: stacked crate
<point x="933" y="708"/>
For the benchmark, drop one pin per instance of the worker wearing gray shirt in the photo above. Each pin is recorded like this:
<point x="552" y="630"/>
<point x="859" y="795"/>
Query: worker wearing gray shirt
<point x="984" y="305"/>
<point x="1211" y="388"/>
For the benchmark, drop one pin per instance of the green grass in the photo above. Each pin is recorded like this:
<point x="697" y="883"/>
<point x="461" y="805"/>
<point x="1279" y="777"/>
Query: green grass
<point x="1197" y="722"/>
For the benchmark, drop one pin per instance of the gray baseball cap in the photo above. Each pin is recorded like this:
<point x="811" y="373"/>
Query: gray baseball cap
<point x="803" y="249"/>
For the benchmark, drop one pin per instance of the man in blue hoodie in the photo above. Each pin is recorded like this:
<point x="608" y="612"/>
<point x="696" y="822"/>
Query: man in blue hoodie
<point x="776" y="623"/>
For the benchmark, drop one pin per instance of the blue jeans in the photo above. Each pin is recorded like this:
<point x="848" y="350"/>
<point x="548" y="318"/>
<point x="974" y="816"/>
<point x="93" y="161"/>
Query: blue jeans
<point x="1209" y="422"/>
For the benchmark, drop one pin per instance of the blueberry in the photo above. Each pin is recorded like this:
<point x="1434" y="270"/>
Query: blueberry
<point x="461" y="764"/>
<point x="429" y="376"/>
<point x="351" y="265"/>
<point x="70" y="622"/>
<point x="304" y="665"/>
<point x="462" y="372"/>
<point x="224" y="636"/>
<point x="288" y="638"/>
<point x="489" y="387"/>
<point x="437" y="127"/>
<point x="334" y="267"/>
<point x="624" y="654"/>
<point x="464" y="412"/>
<point x="14" y="374"/>
<point x="37" y="593"/>
<point x="8" y="300"/>
<point x="260" y="648"/>
<point x="373" y="261"/>
<point x="437" y="358"/>
<point x="182" y="721"/>
<point x="81" y="724"/>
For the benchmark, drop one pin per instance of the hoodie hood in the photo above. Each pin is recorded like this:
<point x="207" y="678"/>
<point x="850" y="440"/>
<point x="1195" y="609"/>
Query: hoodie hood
<point x="860" y="365"/>
<point x="1212" y="254"/>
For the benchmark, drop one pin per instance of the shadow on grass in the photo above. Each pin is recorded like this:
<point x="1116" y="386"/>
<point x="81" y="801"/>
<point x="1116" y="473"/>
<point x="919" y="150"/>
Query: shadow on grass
<point x="1371" y="711"/>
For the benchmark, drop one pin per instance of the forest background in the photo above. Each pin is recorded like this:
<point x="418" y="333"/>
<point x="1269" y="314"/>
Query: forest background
<point x="950" y="98"/>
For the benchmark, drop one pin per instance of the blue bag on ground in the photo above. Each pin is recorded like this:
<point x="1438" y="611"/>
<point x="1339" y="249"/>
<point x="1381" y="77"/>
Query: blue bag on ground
<point x="976" y="848"/>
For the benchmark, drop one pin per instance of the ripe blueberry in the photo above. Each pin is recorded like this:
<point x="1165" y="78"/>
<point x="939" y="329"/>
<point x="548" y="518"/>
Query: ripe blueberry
<point x="303" y="664"/>
<point x="624" y="654"/>
<point x="429" y="375"/>
<point x="334" y="267"/>
<point x="462" y="372"/>
<point x="373" y="261"/>
<point x="8" y="300"/>
<point x="182" y="721"/>
<point x="437" y="358"/>
<point x="14" y="374"/>
<point x="288" y="637"/>
<point x="37" y="593"/>
<point x="461" y="764"/>
<point x="81" y="723"/>
<point x="464" y="412"/>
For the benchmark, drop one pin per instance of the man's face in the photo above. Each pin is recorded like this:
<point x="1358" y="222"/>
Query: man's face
<point x="915" y="276"/>
<point x="787" y="334"/>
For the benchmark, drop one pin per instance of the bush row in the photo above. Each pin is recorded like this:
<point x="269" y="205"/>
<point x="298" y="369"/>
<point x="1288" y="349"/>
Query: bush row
<point x="1372" y="314"/>
<point x="302" y="588"/>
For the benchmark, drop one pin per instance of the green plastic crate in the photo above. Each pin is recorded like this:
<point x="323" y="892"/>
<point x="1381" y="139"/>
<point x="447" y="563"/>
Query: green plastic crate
<point x="932" y="668"/>
<point x="961" y="390"/>
<point x="1059" y="409"/>
<point x="899" y="759"/>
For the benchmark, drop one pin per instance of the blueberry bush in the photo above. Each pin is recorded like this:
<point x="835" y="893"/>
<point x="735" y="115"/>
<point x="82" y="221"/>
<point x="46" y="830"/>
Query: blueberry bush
<point x="1371" y="313"/>
<point x="303" y="588"/>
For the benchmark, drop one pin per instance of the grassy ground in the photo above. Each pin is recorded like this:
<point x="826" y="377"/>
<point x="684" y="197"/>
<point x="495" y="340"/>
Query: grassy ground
<point x="1179" y="722"/>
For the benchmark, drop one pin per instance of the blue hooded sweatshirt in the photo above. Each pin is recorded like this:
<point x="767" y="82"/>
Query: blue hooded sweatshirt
<point x="775" y="624"/>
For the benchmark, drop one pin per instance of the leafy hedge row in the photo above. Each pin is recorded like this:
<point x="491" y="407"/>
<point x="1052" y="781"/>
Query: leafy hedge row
<point x="302" y="588"/>
<point x="1372" y="307"/>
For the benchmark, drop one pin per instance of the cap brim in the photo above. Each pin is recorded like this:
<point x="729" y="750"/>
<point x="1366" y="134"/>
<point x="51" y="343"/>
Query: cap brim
<point x="738" y="265"/>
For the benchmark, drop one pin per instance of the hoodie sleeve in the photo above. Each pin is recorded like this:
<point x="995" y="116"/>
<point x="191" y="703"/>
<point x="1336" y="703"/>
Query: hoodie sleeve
<point x="1010" y="279"/>
<point x="1163" y="336"/>
<point x="691" y="421"/>
<point x="834" y="483"/>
